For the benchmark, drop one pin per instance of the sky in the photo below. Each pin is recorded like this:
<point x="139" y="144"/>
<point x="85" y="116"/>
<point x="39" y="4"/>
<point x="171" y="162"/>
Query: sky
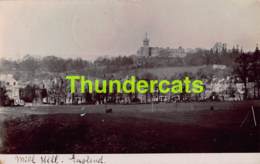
<point x="94" y="28"/>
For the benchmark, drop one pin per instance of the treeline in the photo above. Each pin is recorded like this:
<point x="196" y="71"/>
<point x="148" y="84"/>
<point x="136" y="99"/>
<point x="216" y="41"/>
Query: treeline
<point x="104" y="65"/>
<point x="59" y="65"/>
<point x="209" y="57"/>
<point x="197" y="58"/>
<point x="47" y="64"/>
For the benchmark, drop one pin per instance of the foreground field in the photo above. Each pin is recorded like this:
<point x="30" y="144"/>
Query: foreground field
<point x="161" y="128"/>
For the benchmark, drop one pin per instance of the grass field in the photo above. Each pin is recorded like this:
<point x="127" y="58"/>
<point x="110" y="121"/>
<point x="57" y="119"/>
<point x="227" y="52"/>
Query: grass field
<point x="163" y="128"/>
<point x="166" y="72"/>
<point x="160" y="72"/>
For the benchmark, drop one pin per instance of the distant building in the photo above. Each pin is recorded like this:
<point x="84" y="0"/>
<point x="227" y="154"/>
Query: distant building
<point x="147" y="51"/>
<point x="12" y="86"/>
<point x="219" y="47"/>
<point x="217" y="66"/>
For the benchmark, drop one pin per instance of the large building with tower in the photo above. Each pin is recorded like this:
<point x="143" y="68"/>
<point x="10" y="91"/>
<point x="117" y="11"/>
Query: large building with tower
<point x="147" y="51"/>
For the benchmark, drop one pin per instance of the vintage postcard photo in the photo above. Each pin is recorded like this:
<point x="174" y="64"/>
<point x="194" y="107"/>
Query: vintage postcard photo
<point x="129" y="76"/>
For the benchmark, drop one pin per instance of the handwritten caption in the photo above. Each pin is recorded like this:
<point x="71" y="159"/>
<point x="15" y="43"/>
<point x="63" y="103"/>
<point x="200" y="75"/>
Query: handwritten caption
<point x="56" y="159"/>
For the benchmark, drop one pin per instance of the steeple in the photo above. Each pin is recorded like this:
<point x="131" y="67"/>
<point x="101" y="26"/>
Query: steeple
<point x="146" y="40"/>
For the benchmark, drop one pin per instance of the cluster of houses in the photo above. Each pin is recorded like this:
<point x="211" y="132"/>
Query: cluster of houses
<point x="55" y="91"/>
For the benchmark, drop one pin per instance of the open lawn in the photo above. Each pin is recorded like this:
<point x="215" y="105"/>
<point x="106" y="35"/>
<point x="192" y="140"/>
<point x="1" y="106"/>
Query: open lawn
<point x="166" y="72"/>
<point x="157" y="128"/>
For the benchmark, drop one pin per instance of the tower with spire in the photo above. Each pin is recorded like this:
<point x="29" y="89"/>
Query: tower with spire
<point x="146" y="40"/>
<point x="145" y="49"/>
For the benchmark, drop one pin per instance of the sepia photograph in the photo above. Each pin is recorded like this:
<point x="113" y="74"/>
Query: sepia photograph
<point x="129" y="77"/>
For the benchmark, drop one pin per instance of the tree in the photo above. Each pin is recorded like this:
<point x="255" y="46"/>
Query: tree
<point x="3" y="96"/>
<point x="29" y="64"/>
<point x="255" y="69"/>
<point x="242" y="69"/>
<point x="28" y="93"/>
<point x="53" y="64"/>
